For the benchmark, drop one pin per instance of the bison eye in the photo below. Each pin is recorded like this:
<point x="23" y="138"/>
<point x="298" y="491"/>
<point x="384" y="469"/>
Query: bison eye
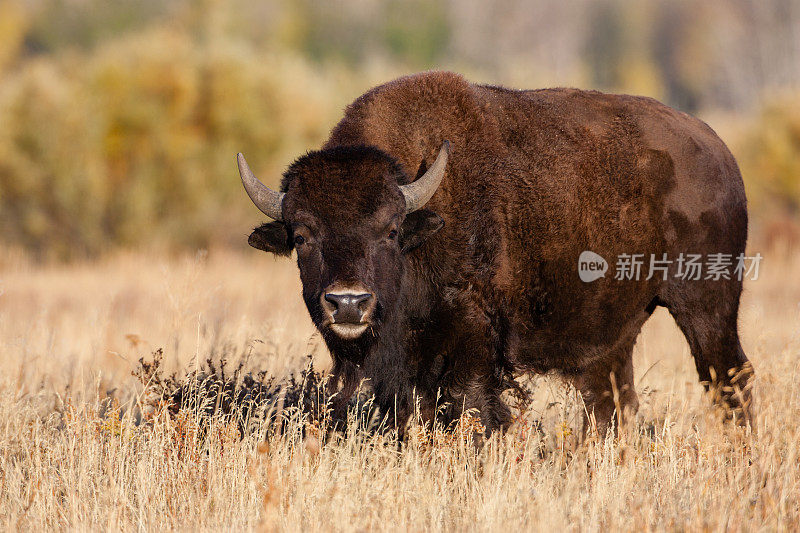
<point x="393" y="234"/>
<point x="298" y="240"/>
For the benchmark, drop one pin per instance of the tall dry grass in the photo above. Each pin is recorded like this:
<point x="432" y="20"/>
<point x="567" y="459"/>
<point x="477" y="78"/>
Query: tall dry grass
<point x="72" y="458"/>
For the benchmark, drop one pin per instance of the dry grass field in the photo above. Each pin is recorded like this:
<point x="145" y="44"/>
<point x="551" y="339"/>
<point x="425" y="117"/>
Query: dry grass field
<point x="70" y="337"/>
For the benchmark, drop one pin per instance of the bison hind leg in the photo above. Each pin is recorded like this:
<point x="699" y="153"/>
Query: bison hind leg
<point x="707" y="314"/>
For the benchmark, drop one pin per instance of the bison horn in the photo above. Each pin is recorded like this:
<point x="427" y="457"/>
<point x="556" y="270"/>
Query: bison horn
<point x="420" y="191"/>
<point x="268" y="201"/>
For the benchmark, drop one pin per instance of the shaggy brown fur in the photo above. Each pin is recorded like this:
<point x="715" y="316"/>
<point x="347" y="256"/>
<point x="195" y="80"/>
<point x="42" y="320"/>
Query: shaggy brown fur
<point x="534" y="178"/>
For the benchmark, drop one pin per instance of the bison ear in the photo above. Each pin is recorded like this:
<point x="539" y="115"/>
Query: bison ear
<point x="271" y="237"/>
<point x="418" y="226"/>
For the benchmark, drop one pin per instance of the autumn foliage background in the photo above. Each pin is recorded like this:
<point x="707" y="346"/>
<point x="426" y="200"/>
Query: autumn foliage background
<point x="123" y="230"/>
<point x="120" y="120"/>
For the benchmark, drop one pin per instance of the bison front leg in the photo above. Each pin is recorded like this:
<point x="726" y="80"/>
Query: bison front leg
<point x="608" y="391"/>
<point x="477" y="377"/>
<point x="481" y="392"/>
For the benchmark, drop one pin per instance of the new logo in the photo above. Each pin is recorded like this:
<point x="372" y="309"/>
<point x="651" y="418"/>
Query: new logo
<point x="591" y="266"/>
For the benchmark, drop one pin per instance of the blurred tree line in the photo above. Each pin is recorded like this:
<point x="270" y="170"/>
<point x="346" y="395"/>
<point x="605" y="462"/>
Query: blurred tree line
<point x="119" y="120"/>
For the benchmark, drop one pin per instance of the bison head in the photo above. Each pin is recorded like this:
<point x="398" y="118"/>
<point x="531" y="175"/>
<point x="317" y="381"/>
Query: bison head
<point x="351" y="216"/>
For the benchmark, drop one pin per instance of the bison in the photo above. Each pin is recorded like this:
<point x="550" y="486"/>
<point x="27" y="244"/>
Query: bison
<point x="438" y="233"/>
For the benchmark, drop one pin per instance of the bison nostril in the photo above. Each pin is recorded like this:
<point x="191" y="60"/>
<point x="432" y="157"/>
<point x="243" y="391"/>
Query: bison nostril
<point x="334" y="299"/>
<point x="348" y="307"/>
<point x="362" y="300"/>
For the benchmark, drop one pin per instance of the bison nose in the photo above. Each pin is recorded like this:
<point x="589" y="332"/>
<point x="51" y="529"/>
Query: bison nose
<point x="348" y="307"/>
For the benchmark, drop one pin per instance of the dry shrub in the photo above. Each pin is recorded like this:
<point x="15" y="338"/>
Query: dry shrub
<point x="770" y="153"/>
<point x="249" y="400"/>
<point x="129" y="145"/>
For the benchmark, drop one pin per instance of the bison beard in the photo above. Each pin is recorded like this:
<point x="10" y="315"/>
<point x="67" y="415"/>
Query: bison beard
<point x="461" y="269"/>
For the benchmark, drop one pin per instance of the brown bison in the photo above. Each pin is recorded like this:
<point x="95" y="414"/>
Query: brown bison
<point x="438" y="233"/>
